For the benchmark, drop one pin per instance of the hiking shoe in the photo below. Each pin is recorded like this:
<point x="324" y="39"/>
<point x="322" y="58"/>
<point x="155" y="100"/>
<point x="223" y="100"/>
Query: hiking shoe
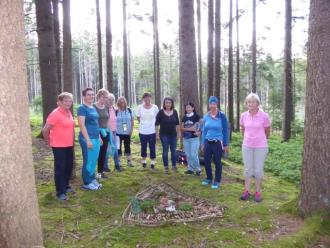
<point x="103" y="175"/>
<point x="245" y="196"/>
<point x="90" y="186"/>
<point x="69" y="190"/>
<point x="62" y="197"/>
<point x="97" y="184"/>
<point x="166" y="170"/>
<point x="206" y="182"/>
<point x="106" y="170"/>
<point x="119" y="169"/>
<point x="257" y="197"/>
<point x="129" y="163"/>
<point x="152" y="166"/>
<point x="198" y="173"/>
<point x="189" y="172"/>
<point x="144" y="165"/>
<point x="215" y="185"/>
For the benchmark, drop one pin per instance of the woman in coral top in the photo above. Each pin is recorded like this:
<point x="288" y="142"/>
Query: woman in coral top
<point x="58" y="132"/>
<point x="255" y="125"/>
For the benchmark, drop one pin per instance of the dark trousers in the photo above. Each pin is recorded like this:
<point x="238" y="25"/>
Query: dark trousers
<point x="168" y="142"/>
<point x="213" y="150"/>
<point x="127" y="144"/>
<point x="145" y="139"/>
<point x="103" y="153"/>
<point x="63" y="164"/>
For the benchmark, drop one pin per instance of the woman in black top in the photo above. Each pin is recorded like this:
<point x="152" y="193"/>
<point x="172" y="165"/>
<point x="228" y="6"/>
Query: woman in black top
<point x="168" y="120"/>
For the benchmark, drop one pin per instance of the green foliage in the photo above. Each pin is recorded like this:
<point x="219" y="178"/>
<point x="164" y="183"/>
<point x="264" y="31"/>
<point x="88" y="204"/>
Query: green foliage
<point x="185" y="206"/>
<point x="147" y="205"/>
<point x="37" y="104"/>
<point x="284" y="158"/>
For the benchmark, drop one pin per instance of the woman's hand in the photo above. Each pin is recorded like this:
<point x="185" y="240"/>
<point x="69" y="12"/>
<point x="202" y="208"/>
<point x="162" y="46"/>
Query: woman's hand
<point x="89" y="144"/>
<point x="157" y="136"/>
<point x="226" y="149"/>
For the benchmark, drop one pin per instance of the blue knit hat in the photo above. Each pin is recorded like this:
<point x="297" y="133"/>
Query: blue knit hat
<point x="213" y="99"/>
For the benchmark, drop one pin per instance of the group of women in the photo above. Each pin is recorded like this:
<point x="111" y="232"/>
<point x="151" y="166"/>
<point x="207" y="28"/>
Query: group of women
<point x="104" y="128"/>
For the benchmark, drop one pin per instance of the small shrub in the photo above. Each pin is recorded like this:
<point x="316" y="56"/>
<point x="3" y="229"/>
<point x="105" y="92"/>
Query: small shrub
<point x="185" y="206"/>
<point x="147" y="205"/>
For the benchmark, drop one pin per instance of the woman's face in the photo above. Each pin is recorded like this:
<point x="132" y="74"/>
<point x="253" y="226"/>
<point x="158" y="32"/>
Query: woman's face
<point x="103" y="99"/>
<point x="147" y="100"/>
<point x="66" y="103"/>
<point x="252" y="104"/>
<point x="213" y="106"/>
<point x="89" y="97"/>
<point x="122" y="103"/>
<point x="189" y="109"/>
<point x="110" y="101"/>
<point x="168" y="104"/>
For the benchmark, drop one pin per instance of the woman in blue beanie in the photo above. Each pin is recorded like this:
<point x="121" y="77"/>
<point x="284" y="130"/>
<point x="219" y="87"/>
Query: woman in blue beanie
<point x="214" y="142"/>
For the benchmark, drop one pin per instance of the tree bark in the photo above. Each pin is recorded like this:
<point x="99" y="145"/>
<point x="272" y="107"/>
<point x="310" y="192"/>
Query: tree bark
<point x="47" y="57"/>
<point x="99" y="44"/>
<point x="199" y="57"/>
<point x="210" y="53"/>
<point x="158" y="94"/>
<point x="254" y="49"/>
<point x="20" y="224"/>
<point x="315" y="179"/>
<point x="217" y="55"/>
<point x="67" y="48"/>
<point x="237" y="70"/>
<point x="108" y="37"/>
<point x="57" y="38"/>
<point x="230" y="70"/>
<point x="125" y="53"/>
<point x="288" y="90"/>
<point x="187" y="47"/>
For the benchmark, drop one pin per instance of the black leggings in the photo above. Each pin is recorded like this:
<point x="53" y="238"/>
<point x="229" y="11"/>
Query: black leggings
<point x="103" y="153"/>
<point x="127" y="144"/>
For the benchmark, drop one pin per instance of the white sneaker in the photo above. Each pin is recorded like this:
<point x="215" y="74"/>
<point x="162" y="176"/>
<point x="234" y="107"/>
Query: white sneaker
<point x="90" y="186"/>
<point x="96" y="184"/>
<point x="98" y="175"/>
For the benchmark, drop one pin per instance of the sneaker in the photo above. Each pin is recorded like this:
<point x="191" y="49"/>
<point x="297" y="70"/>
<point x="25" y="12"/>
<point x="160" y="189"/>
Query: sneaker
<point x="206" y="182"/>
<point x="129" y="163"/>
<point x="152" y="166"/>
<point x="189" y="172"/>
<point x="69" y="190"/>
<point x="198" y="173"/>
<point x="245" y="196"/>
<point x="97" y="184"/>
<point x="144" y="165"/>
<point x="90" y="186"/>
<point x="106" y="170"/>
<point x="62" y="197"/>
<point x="119" y="169"/>
<point x="98" y="175"/>
<point x="215" y="185"/>
<point x="166" y="170"/>
<point x="103" y="175"/>
<point x="257" y="197"/>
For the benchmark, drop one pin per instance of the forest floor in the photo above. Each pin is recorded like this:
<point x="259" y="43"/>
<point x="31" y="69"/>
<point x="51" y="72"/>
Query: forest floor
<point x="93" y="219"/>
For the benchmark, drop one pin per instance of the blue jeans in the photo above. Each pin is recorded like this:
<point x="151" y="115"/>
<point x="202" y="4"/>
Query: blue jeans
<point x="213" y="149"/>
<point x="145" y="139"/>
<point x="191" y="147"/>
<point x="90" y="157"/>
<point x="168" y="141"/>
<point x="115" y="156"/>
<point x="63" y="163"/>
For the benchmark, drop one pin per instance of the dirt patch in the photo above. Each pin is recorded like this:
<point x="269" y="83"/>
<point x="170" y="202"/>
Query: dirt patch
<point x="161" y="204"/>
<point x="41" y="160"/>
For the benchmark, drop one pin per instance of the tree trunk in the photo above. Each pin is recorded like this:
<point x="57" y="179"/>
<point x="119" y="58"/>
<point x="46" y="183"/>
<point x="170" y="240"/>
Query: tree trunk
<point x="254" y="49"/>
<point x="57" y="38"/>
<point x="157" y="86"/>
<point x="47" y="57"/>
<point x="20" y="224"/>
<point x="237" y="70"/>
<point x="187" y="47"/>
<point x="125" y="53"/>
<point x="288" y="91"/>
<point x="99" y="44"/>
<point x="210" y="66"/>
<point x="230" y="70"/>
<point x="199" y="56"/>
<point x="67" y="48"/>
<point x="217" y="55"/>
<point x="315" y="180"/>
<point x="108" y="37"/>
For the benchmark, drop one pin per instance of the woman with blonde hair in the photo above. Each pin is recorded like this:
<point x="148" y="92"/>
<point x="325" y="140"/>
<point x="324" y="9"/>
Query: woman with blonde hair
<point x="255" y="126"/>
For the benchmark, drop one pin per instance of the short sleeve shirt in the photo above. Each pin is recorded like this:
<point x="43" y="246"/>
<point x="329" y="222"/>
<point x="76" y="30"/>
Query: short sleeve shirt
<point x="112" y="119"/>
<point x="103" y="116"/>
<point x="254" y="129"/>
<point x="167" y="123"/>
<point x="124" y="121"/>
<point x="147" y="119"/>
<point x="91" y="120"/>
<point x="190" y="122"/>
<point x="62" y="131"/>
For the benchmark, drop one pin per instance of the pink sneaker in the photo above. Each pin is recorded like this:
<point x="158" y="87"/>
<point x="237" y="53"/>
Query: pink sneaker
<point x="257" y="197"/>
<point x="245" y="196"/>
